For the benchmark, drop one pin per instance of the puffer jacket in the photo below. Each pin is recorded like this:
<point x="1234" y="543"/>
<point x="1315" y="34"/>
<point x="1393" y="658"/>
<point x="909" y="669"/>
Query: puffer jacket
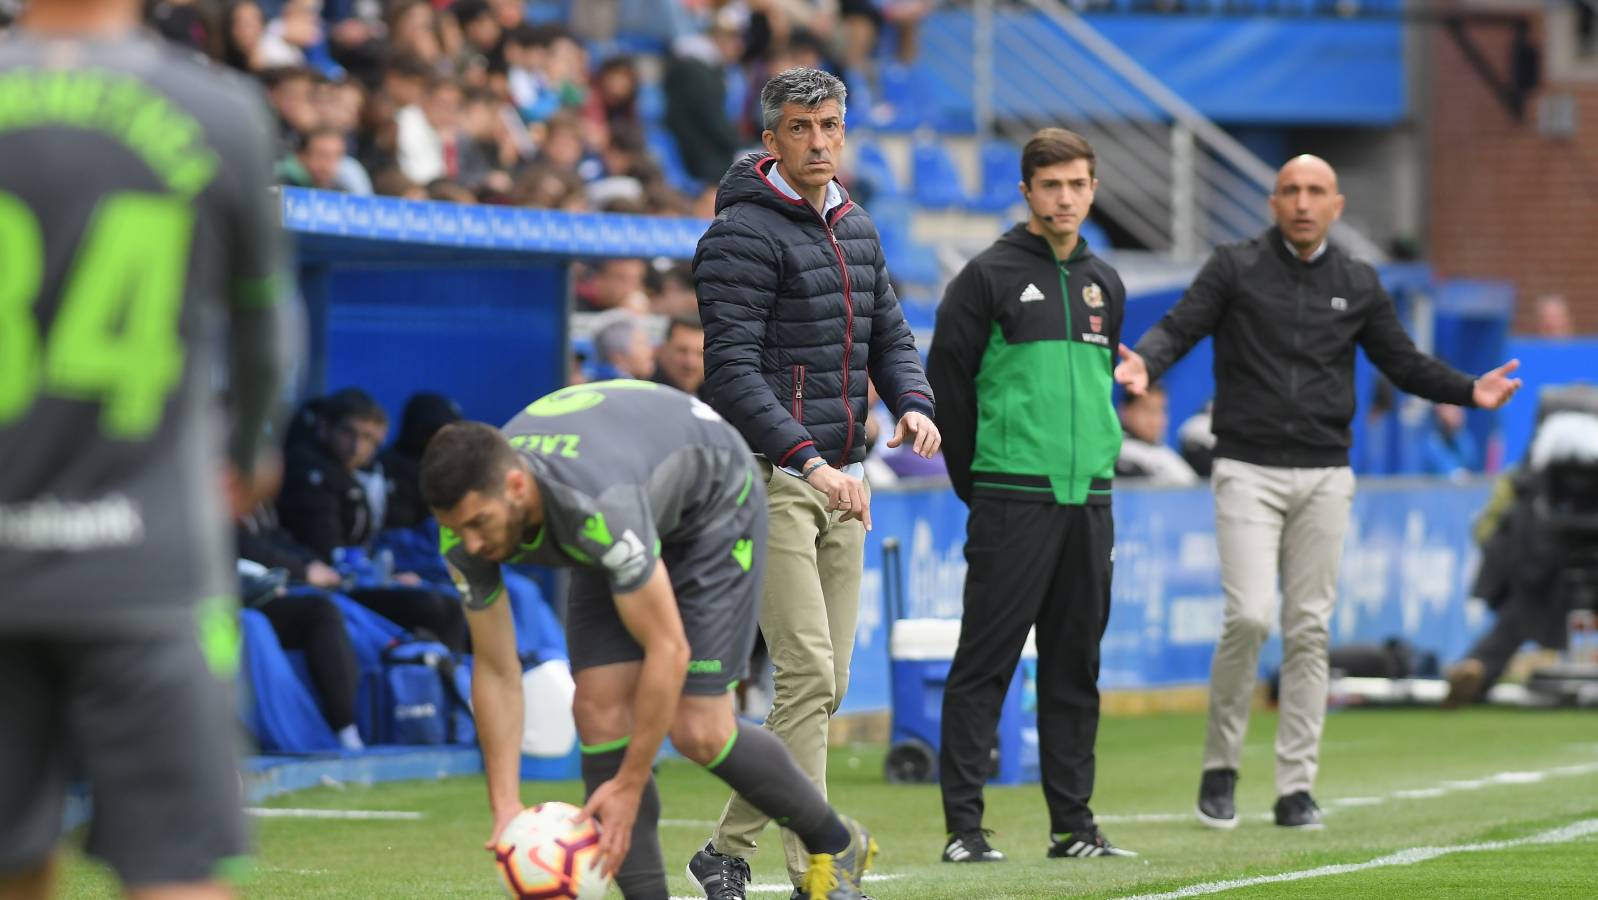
<point x="798" y="312"/>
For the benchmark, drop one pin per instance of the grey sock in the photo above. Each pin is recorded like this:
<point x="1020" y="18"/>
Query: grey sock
<point x="757" y="765"/>
<point x="642" y="875"/>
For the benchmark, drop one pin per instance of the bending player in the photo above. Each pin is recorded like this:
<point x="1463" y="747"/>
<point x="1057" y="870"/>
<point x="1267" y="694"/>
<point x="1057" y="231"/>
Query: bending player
<point x="655" y="501"/>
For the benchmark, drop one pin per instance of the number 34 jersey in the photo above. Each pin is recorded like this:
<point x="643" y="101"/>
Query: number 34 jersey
<point x="136" y="225"/>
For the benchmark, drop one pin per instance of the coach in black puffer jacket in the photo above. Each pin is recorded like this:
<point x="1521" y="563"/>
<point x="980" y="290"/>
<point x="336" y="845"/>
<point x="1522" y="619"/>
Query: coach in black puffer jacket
<point x="790" y="331"/>
<point x="798" y="314"/>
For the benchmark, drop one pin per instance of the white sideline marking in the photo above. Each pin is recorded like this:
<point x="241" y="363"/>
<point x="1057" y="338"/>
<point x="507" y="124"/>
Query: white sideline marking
<point x="262" y="812"/>
<point x="784" y="888"/>
<point x="1445" y="788"/>
<point x="1565" y="834"/>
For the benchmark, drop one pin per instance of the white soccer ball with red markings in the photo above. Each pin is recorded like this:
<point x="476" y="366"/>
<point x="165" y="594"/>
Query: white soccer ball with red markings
<point x="545" y="854"/>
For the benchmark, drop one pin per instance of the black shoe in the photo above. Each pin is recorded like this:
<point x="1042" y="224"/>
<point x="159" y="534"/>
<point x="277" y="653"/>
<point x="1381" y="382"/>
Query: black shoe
<point x="1215" y="805"/>
<point x="720" y="876"/>
<point x="971" y="847"/>
<point x="1082" y="844"/>
<point x="1298" y="811"/>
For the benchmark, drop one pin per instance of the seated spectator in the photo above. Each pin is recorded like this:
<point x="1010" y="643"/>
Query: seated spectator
<point x="320" y="162"/>
<point x="682" y="354"/>
<point x="428" y="142"/>
<point x="323" y="504"/>
<point x="526" y="51"/>
<point x="405" y="80"/>
<point x="613" y="98"/>
<point x="1144" y="455"/>
<point x="541" y="186"/>
<point x="413" y="28"/>
<point x="333" y="497"/>
<point x="290" y="91"/>
<point x="295" y="38"/>
<point x="425" y="413"/>
<point x="480" y="32"/>
<point x="487" y="152"/>
<point x="242" y="27"/>
<point x="623" y="350"/>
<point x="308" y="621"/>
<point x="1448" y="448"/>
<point x="671" y="291"/>
<point x="614" y="284"/>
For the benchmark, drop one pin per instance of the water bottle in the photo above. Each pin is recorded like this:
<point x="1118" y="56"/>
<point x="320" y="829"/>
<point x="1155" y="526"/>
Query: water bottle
<point x="385" y="567"/>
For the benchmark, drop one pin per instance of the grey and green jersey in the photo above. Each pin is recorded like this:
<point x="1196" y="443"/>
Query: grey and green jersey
<point x="136" y="228"/>
<point x="622" y="467"/>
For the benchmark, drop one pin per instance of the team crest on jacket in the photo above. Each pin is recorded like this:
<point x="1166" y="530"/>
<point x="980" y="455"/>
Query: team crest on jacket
<point x="1093" y="295"/>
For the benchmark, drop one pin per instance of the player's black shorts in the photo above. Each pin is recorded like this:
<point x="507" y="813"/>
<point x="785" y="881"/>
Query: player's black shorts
<point x="718" y="581"/>
<point x="149" y="727"/>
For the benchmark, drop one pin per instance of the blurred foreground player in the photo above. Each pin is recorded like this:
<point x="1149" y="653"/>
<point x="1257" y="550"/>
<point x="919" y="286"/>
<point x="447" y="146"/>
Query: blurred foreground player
<point x="653" y="499"/>
<point x="134" y="219"/>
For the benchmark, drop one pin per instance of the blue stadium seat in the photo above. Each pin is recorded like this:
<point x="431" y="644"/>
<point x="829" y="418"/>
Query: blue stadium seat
<point x="1001" y="171"/>
<point x="872" y="170"/>
<point x="907" y="260"/>
<point x="906" y="99"/>
<point x="936" y="179"/>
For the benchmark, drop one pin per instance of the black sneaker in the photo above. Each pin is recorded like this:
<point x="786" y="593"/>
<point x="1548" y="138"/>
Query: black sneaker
<point x="1298" y="811"/>
<point x="720" y="876"/>
<point x="1082" y="844"/>
<point x="1215" y="806"/>
<point x="971" y="847"/>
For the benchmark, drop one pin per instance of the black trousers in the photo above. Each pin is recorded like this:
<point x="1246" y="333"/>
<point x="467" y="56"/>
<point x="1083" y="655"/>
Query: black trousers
<point x="414" y="608"/>
<point x="1518" y="623"/>
<point x="1029" y="564"/>
<point x="311" y="622"/>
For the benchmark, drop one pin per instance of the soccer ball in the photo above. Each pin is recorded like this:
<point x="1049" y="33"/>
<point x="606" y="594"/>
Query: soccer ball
<point x="544" y="855"/>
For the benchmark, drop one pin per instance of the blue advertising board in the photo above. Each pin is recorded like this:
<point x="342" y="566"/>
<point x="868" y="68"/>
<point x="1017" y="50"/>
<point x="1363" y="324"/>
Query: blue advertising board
<point x="1408" y="560"/>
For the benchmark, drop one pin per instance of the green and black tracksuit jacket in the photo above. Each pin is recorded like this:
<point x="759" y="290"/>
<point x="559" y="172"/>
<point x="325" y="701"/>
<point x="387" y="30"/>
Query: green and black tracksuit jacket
<point x="1022" y="363"/>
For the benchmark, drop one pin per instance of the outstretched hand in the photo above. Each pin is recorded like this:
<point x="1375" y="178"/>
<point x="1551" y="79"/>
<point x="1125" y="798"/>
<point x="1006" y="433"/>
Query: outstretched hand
<point x="927" y="439"/>
<point x="1131" y="373"/>
<point x="1496" y="387"/>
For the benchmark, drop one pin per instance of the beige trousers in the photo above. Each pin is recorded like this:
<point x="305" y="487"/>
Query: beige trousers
<point x="807" y="614"/>
<point x="1276" y="525"/>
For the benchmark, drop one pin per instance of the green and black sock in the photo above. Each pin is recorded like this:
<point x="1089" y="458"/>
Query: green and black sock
<point x="642" y="875"/>
<point x="757" y="765"/>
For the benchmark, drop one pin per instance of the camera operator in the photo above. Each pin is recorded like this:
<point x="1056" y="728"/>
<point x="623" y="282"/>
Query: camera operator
<point x="1540" y="562"/>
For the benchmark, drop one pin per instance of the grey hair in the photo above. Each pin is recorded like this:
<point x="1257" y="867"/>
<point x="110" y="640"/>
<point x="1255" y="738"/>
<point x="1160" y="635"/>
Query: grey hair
<point x="800" y="86"/>
<point x="613" y="339"/>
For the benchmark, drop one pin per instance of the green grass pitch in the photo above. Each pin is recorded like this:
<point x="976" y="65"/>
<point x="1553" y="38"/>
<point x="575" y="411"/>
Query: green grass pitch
<point x="1481" y="781"/>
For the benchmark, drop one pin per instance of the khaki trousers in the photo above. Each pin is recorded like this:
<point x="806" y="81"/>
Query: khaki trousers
<point x="808" y="612"/>
<point x="1276" y="525"/>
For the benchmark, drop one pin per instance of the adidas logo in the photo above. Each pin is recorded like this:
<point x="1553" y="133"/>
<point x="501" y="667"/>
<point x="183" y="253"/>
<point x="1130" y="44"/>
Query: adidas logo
<point x="1031" y="294"/>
